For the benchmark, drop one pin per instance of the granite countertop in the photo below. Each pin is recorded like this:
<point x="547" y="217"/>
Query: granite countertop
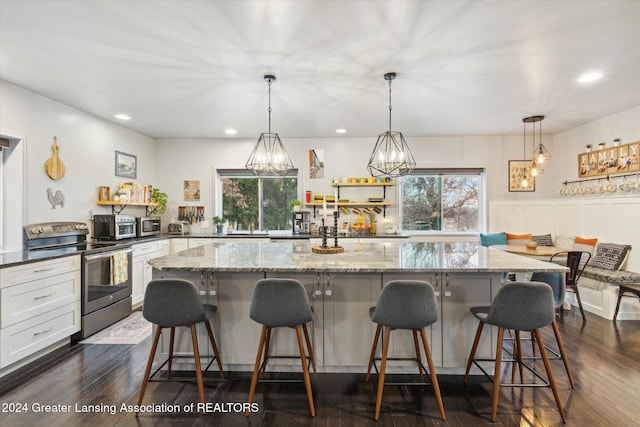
<point x="296" y="256"/>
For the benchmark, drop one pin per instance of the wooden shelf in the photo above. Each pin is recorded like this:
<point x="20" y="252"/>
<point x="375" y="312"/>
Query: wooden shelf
<point x="118" y="206"/>
<point x="363" y="184"/>
<point x="349" y="204"/>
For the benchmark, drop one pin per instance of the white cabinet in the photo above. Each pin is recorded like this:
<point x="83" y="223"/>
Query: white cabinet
<point x="39" y="306"/>
<point x="460" y="292"/>
<point x="142" y="271"/>
<point x="236" y="334"/>
<point x="342" y="331"/>
<point x="451" y="337"/>
<point x="179" y="244"/>
<point x="348" y="330"/>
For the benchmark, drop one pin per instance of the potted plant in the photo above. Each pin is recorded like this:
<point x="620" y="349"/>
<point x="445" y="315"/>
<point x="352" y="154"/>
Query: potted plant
<point x="296" y="205"/>
<point x="219" y="222"/>
<point x="160" y="198"/>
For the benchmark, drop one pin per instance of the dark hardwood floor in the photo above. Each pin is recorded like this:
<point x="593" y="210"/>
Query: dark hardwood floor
<point x="605" y="358"/>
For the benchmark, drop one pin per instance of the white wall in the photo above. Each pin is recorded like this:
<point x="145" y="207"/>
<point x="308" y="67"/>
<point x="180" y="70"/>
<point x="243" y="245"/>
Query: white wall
<point x="344" y="157"/>
<point x="87" y="149"/>
<point x="609" y="217"/>
<point x="87" y="146"/>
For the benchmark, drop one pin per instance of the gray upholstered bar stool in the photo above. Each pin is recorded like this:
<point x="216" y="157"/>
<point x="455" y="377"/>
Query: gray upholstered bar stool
<point x="282" y="303"/>
<point x="404" y="304"/>
<point x="521" y="306"/>
<point x="169" y="303"/>
<point x="557" y="281"/>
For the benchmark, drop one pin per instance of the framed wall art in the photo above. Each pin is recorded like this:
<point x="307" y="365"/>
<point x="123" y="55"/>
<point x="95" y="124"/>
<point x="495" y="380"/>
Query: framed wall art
<point x="612" y="160"/>
<point x="126" y="165"/>
<point x="518" y="169"/>
<point x="191" y="190"/>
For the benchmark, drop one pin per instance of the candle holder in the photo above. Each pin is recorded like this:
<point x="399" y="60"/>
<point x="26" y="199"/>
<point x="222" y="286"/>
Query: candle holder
<point x="335" y="229"/>
<point x="324" y="231"/>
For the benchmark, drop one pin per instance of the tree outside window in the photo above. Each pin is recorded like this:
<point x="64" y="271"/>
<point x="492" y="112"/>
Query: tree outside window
<point x="440" y="202"/>
<point x="258" y="203"/>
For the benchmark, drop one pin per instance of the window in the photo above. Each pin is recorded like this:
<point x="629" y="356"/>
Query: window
<point x="446" y="200"/>
<point x="260" y="203"/>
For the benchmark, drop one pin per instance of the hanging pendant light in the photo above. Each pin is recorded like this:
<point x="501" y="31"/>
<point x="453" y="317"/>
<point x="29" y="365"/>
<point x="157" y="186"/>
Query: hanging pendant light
<point x="540" y="153"/>
<point x="269" y="156"/>
<point x="524" y="181"/>
<point x="391" y="156"/>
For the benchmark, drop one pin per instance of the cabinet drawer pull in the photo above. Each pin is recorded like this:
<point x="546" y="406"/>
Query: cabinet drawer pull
<point x="447" y="293"/>
<point x="317" y="293"/>
<point x="44" y="332"/>
<point x="328" y="292"/>
<point x="42" y="270"/>
<point x="44" y="296"/>
<point x="213" y="293"/>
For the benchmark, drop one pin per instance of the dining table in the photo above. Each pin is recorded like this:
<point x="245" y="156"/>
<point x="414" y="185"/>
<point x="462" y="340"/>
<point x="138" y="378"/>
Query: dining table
<point x="538" y="251"/>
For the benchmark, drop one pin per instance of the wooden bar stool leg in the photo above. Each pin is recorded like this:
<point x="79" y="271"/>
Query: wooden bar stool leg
<point x="472" y="353"/>
<point x="267" y="343"/>
<point x="519" y="357"/>
<point x="256" y="368"/>
<point x="147" y="371"/>
<point x="373" y="351"/>
<point x="216" y="353"/>
<point x="305" y="371"/>
<point x="547" y="367"/>
<point x="496" y="375"/>
<point x="563" y="353"/>
<point x="196" y="356"/>
<point x="383" y="367"/>
<point x="432" y="372"/>
<point x="171" y="338"/>
<point x="418" y="356"/>
<point x="310" y="350"/>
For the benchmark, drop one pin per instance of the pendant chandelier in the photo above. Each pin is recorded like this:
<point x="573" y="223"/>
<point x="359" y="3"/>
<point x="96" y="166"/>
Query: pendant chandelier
<point x="540" y="153"/>
<point x="269" y="156"/>
<point x="391" y="156"/>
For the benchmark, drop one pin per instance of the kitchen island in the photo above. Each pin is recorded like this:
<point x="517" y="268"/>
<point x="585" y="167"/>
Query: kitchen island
<point x="341" y="288"/>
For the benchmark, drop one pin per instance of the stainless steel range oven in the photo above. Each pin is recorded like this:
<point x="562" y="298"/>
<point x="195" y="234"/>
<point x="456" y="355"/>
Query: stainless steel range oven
<point x="106" y="287"/>
<point x="106" y="270"/>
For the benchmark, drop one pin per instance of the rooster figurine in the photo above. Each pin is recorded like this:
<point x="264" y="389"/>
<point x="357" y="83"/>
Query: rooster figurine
<point x="57" y="199"/>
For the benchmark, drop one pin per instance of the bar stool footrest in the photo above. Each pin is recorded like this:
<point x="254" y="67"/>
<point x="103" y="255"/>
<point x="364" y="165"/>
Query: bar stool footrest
<point x="184" y="380"/>
<point x="413" y="359"/>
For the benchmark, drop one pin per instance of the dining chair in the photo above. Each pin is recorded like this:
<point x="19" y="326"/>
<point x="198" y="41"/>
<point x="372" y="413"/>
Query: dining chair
<point x="576" y="261"/>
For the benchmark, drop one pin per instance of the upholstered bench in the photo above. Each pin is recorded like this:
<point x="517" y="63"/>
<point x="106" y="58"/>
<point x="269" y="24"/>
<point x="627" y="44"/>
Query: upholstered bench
<point x="601" y="279"/>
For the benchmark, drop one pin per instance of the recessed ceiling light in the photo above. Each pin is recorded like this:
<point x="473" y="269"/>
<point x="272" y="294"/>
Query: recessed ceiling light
<point x="341" y="131"/>
<point x="230" y="131"/>
<point x="590" y="77"/>
<point x="121" y="116"/>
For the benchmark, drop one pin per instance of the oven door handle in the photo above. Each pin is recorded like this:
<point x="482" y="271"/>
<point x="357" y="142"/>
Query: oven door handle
<point x="103" y="255"/>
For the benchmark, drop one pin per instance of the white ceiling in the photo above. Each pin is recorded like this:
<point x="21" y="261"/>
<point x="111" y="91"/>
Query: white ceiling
<point x="191" y="69"/>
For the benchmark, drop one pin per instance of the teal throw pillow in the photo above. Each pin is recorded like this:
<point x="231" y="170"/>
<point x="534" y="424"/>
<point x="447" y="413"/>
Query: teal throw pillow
<point x="493" y="239"/>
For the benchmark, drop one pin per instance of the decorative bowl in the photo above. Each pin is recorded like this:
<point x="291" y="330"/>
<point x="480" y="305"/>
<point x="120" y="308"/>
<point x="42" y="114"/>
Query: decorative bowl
<point x="532" y="244"/>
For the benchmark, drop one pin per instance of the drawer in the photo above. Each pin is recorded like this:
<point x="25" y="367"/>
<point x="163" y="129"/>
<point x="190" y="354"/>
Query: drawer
<point x="25" y="338"/>
<point x="20" y="302"/>
<point x="36" y="270"/>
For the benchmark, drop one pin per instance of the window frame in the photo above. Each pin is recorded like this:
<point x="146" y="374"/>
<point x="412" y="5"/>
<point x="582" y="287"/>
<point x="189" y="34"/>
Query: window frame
<point x="220" y="174"/>
<point x="442" y="172"/>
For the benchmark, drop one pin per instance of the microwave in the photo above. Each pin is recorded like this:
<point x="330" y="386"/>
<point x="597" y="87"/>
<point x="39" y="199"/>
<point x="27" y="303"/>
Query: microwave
<point x="148" y="226"/>
<point x="114" y="227"/>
